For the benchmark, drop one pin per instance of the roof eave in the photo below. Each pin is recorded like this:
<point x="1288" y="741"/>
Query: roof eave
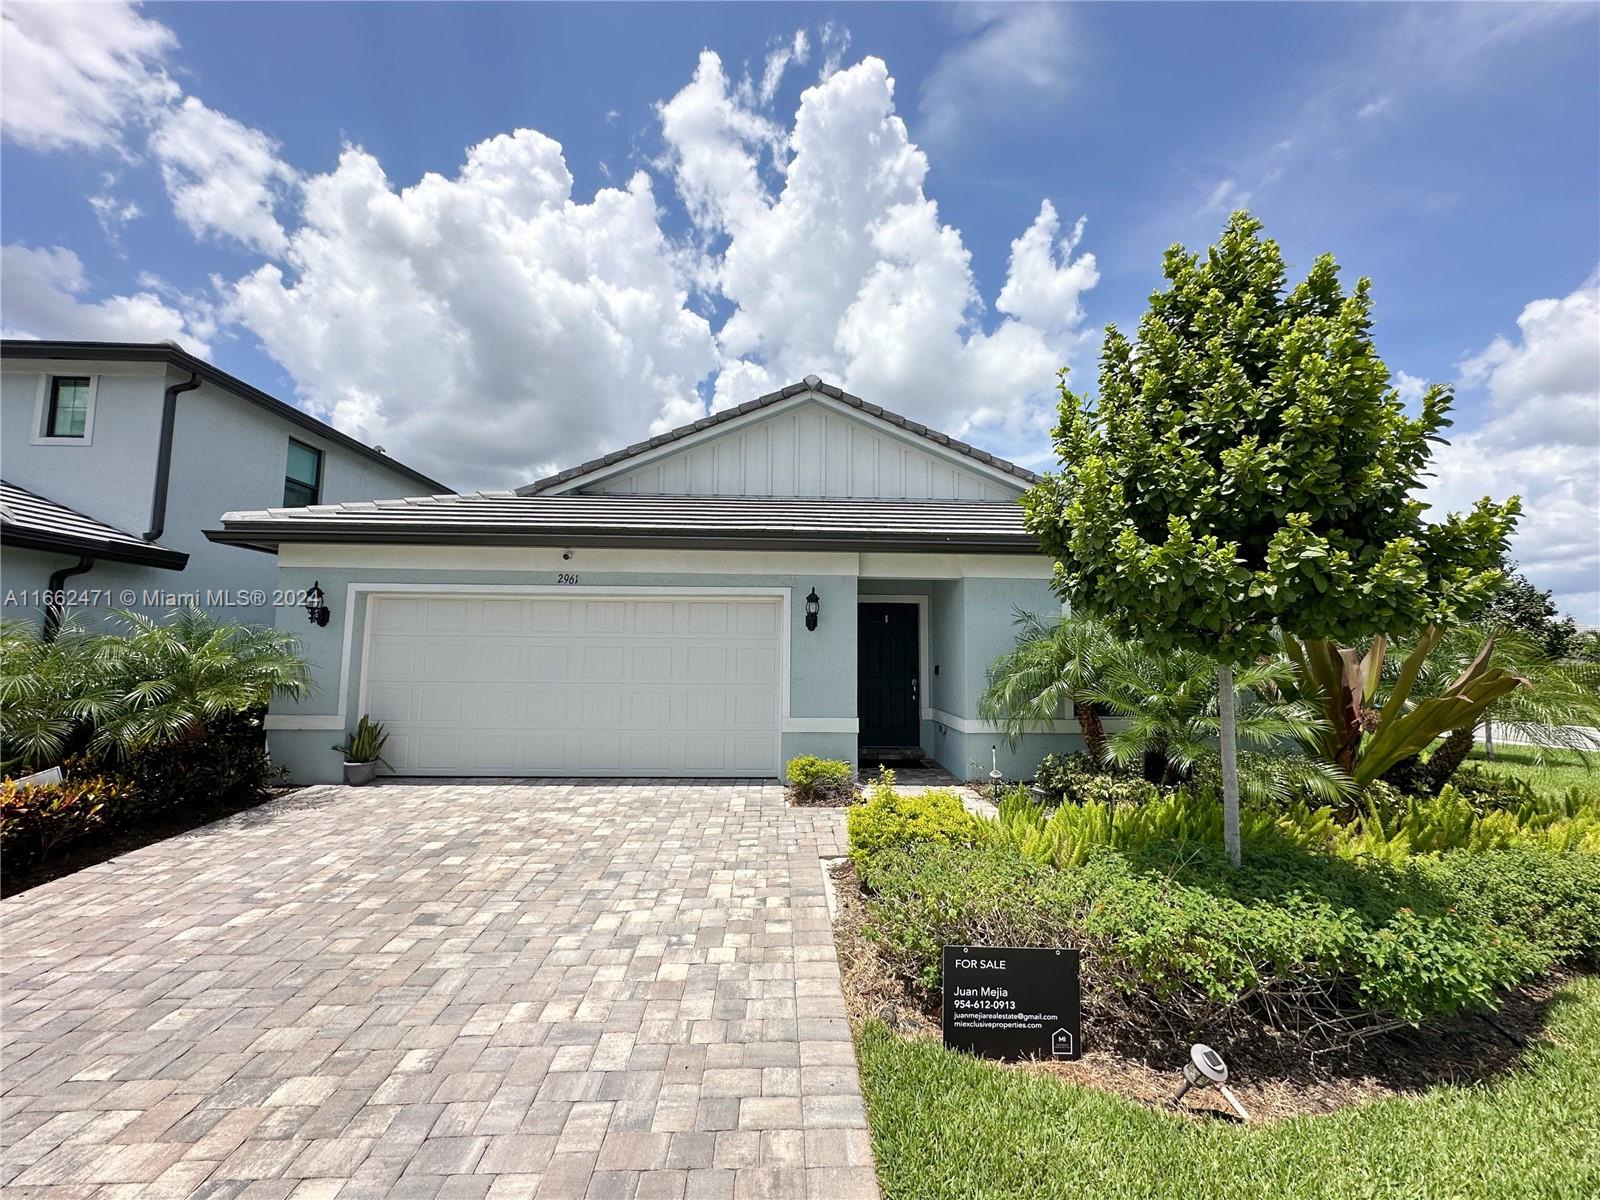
<point x="154" y="556"/>
<point x="259" y="535"/>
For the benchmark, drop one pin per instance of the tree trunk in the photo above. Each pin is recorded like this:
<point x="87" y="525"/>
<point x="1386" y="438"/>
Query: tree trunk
<point x="1488" y="739"/>
<point x="1230" y="765"/>
<point x="1094" y="733"/>
<point x="1447" y="756"/>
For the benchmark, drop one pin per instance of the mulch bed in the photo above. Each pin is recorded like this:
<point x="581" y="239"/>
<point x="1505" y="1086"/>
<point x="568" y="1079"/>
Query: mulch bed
<point x="100" y="847"/>
<point x="1272" y="1078"/>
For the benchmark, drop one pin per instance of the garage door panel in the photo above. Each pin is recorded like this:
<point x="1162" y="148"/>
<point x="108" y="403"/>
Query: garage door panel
<point x="549" y="662"/>
<point x="656" y="685"/>
<point x="445" y="616"/>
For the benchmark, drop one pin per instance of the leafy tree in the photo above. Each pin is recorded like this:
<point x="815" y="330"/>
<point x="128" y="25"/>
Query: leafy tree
<point x="1521" y="606"/>
<point x="1247" y="467"/>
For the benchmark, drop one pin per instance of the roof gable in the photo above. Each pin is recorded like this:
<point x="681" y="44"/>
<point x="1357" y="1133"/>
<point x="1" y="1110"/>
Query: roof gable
<point x="809" y="439"/>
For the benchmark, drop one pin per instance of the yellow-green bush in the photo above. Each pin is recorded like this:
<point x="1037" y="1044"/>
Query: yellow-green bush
<point x="888" y="820"/>
<point x="814" y="780"/>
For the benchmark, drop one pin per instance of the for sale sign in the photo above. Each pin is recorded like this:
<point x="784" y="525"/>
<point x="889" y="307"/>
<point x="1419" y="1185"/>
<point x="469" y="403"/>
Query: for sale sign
<point x="1008" y="1002"/>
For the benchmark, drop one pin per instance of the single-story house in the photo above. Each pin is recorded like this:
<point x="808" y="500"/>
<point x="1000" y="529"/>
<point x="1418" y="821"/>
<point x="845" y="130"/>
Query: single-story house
<point x="803" y="574"/>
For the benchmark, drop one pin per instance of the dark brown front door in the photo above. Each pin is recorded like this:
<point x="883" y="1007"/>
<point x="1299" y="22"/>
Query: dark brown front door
<point x="887" y="675"/>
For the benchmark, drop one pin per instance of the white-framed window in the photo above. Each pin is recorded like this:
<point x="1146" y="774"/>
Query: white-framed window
<point x="64" y="412"/>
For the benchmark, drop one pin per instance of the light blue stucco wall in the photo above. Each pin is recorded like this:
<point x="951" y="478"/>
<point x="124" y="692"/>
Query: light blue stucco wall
<point x="227" y="453"/>
<point x="970" y="622"/>
<point x="821" y="663"/>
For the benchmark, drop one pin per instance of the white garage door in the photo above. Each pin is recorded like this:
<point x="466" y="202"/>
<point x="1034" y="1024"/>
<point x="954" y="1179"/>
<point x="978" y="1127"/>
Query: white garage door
<point x="576" y="685"/>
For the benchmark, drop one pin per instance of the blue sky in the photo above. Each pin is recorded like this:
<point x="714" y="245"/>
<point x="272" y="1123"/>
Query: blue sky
<point x="857" y="190"/>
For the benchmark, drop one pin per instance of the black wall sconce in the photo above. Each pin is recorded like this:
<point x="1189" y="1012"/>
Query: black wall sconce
<point x="813" y="607"/>
<point x="315" y="608"/>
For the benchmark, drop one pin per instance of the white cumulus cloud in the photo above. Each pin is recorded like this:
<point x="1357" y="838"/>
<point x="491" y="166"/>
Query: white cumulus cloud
<point x="44" y="296"/>
<point x="844" y="269"/>
<point x="223" y="177"/>
<point x="1541" y="440"/>
<point x="76" y="74"/>
<point x="484" y="327"/>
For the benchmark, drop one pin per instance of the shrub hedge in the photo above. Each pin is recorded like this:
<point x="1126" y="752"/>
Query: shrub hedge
<point x="1316" y="931"/>
<point x="225" y="767"/>
<point x="814" y="780"/>
<point x="1298" y="937"/>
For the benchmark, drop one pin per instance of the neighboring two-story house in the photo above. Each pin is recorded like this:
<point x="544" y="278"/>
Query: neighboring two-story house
<point x="805" y="573"/>
<point x="115" y="456"/>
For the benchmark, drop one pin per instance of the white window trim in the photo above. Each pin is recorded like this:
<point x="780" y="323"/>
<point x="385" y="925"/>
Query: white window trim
<point x="41" y="411"/>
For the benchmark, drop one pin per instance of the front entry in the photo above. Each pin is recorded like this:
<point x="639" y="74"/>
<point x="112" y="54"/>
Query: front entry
<point x="886" y="674"/>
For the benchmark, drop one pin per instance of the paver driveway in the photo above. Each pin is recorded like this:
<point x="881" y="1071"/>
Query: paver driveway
<point x="601" y="989"/>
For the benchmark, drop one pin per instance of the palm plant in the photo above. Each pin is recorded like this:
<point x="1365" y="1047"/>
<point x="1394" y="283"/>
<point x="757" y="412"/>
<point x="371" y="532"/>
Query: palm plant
<point x="1167" y="707"/>
<point x="50" y="691"/>
<point x="1053" y="666"/>
<point x="173" y="679"/>
<point x="1554" y="712"/>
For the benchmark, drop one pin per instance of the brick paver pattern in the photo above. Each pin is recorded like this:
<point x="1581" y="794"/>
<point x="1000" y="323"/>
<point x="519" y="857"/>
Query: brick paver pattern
<point x="616" y="990"/>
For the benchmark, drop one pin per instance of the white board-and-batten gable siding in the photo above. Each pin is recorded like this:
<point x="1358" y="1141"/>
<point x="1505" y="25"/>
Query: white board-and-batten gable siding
<point x="808" y="449"/>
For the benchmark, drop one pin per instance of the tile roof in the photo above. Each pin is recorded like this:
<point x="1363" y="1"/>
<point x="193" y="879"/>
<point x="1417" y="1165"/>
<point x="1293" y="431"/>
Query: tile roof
<point x="810" y="384"/>
<point x="509" y="519"/>
<point x="29" y="520"/>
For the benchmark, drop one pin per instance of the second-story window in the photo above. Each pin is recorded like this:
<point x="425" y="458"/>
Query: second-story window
<point x="69" y="407"/>
<point x="302" y="483"/>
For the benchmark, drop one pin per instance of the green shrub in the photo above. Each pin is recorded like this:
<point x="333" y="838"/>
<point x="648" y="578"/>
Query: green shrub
<point x="228" y="766"/>
<point x="1488" y="790"/>
<point x="36" y="819"/>
<point x="814" y="780"/>
<point x="1297" y="937"/>
<point x="888" y="821"/>
<point x="1056" y="772"/>
<point x="1547" y="899"/>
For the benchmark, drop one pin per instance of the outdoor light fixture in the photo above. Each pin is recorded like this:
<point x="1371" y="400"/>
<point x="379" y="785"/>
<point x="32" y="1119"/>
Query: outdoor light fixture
<point x="315" y="608"/>
<point x="813" y="607"/>
<point x="995" y="778"/>
<point x="1205" y="1068"/>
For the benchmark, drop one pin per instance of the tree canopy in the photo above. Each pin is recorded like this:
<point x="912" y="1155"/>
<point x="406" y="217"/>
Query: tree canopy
<point x="1248" y="466"/>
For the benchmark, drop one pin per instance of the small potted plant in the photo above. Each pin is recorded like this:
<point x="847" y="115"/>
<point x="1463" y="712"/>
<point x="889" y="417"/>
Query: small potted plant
<point x="363" y="751"/>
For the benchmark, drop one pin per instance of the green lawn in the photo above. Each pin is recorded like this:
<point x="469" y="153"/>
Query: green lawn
<point x="1560" y="771"/>
<point x="949" y="1127"/>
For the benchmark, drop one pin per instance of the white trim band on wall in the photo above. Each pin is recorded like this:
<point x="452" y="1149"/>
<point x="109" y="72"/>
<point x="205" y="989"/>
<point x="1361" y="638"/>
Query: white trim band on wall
<point x="850" y="725"/>
<point x="969" y="725"/>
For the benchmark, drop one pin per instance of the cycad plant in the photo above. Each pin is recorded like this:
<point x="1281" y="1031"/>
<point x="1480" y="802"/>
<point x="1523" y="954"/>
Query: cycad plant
<point x="50" y="692"/>
<point x="176" y="677"/>
<point x="1054" y="666"/>
<point x="1166" y="706"/>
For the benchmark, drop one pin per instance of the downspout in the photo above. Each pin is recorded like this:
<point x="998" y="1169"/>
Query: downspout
<point x="169" y="418"/>
<point x="55" y="606"/>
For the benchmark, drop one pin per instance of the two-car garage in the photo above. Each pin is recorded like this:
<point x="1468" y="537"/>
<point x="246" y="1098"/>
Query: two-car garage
<point x="623" y="683"/>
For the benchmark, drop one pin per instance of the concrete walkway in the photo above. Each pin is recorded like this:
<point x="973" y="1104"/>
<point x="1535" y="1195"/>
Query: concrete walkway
<point x="608" y="990"/>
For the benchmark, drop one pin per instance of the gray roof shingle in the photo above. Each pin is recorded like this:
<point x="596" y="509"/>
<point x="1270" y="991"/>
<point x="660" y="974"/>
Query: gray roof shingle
<point x="809" y="384"/>
<point x="509" y="518"/>
<point x="31" y="521"/>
